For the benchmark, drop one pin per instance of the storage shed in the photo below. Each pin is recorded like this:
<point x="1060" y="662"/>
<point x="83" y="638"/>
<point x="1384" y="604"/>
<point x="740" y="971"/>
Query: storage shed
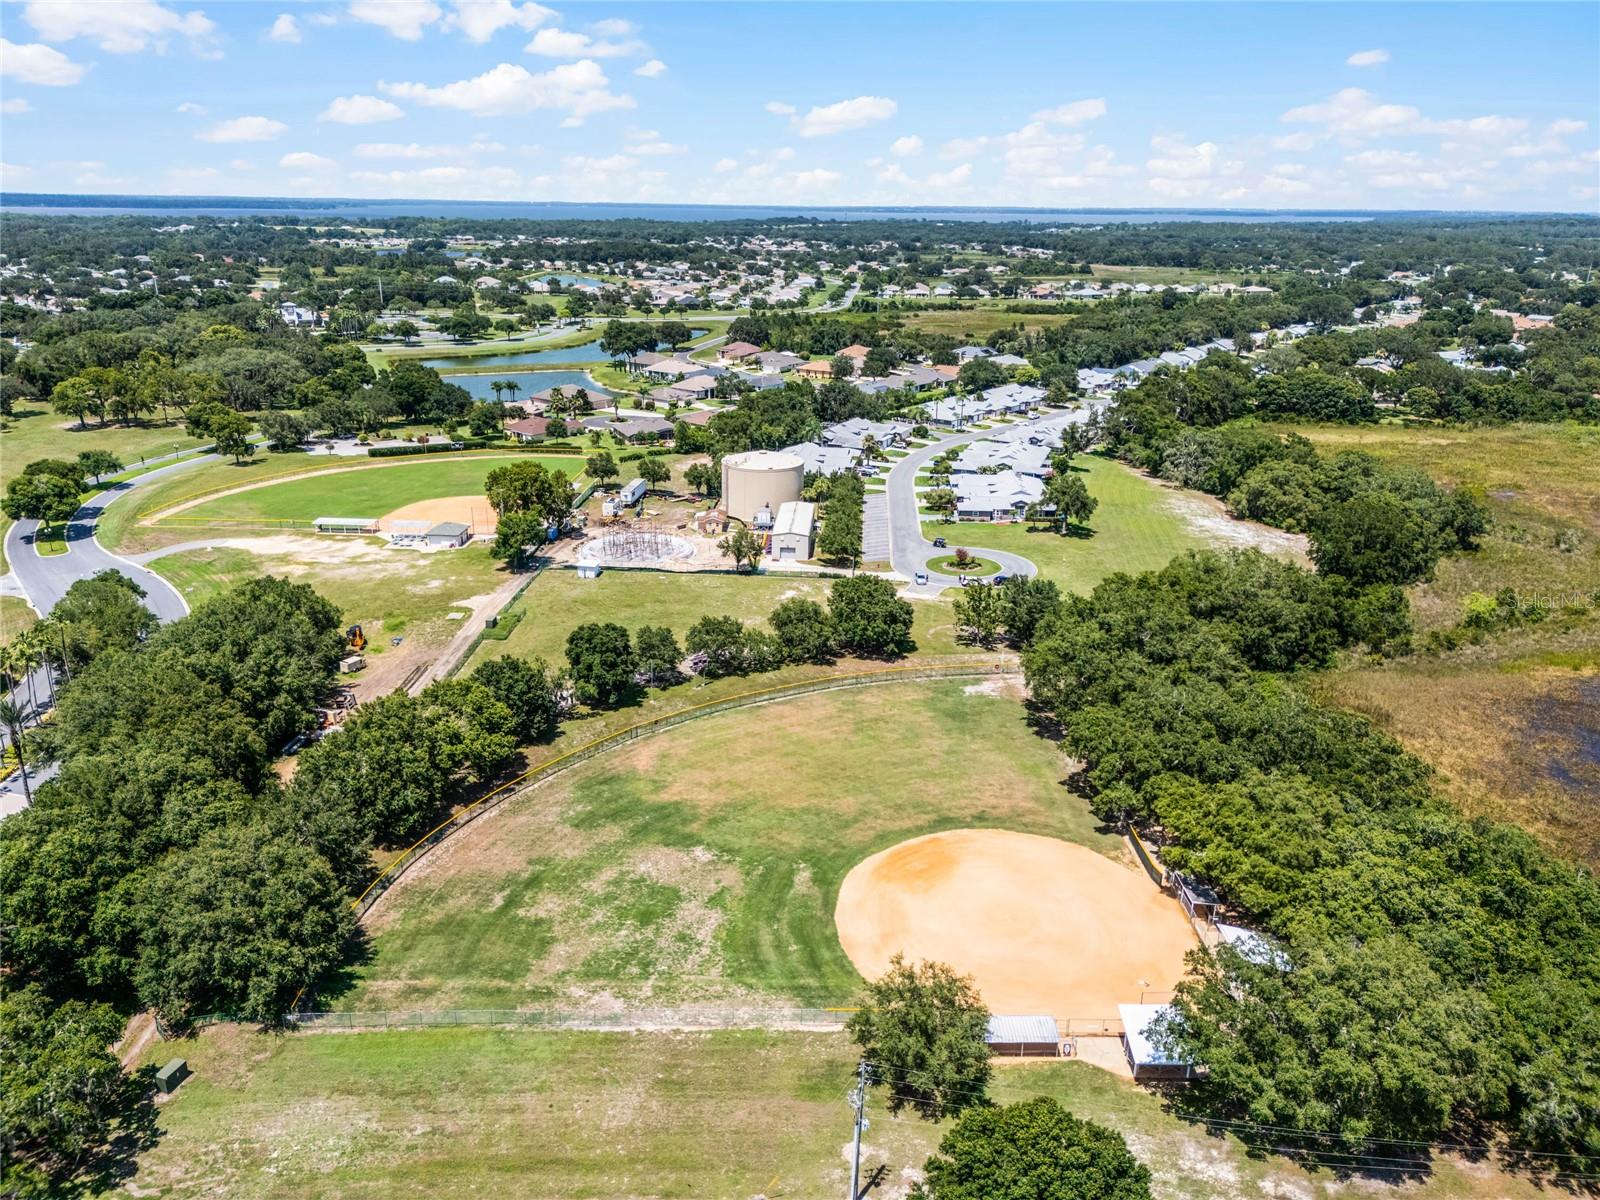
<point x="791" y="533"/>
<point x="1023" y="1037"/>
<point x="1147" y="1060"/>
<point x="448" y="535"/>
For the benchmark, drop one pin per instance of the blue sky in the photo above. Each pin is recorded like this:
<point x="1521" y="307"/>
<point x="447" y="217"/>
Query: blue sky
<point x="1289" y="105"/>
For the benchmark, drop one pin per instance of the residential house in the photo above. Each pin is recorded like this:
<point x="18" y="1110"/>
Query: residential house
<point x="1001" y="497"/>
<point x="819" y="371"/>
<point x="737" y="352"/>
<point x="1021" y="457"/>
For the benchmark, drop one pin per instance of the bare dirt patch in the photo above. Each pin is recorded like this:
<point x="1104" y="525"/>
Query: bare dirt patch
<point x="1209" y="517"/>
<point x="1043" y="926"/>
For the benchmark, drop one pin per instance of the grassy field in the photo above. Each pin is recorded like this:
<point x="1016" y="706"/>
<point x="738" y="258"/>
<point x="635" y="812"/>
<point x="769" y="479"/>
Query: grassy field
<point x="1108" y="273"/>
<point x="1541" y="480"/>
<point x="1135" y="528"/>
<point x="559" y="601"/>
<point x="34" y="431"/>
<point x="367" y="490"/>
<point x="702" y="865"/>
<point x="979" y="323"/>
<point x="16" y="618"/>
<point x="1509" y="723"/>
<point x="387" y="592"/>
<point x="455" y="1113"/>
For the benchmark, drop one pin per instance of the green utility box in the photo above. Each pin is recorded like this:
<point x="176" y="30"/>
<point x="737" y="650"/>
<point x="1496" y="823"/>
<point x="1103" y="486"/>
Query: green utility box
<point x="171" y="1075"/>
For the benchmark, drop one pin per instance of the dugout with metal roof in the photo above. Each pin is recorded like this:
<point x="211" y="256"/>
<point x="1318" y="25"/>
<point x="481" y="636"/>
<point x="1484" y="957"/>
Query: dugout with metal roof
<point x="1023" y="1036"/>
<point x="1147" y="1059"/>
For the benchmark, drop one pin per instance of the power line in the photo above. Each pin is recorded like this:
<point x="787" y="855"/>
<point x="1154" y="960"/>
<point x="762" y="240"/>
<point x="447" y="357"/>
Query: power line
<point x="1290" y="1130"/>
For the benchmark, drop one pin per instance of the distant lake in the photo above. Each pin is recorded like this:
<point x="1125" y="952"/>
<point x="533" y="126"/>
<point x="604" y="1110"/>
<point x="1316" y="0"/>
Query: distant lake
<point x="376" y="210"/>
<point x="530" y="381"/>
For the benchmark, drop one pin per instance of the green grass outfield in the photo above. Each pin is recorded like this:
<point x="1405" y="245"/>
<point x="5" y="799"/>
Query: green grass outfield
<point x="1135" y="528"/>
<point x="449" y="1114"/>
<point x="367" y="490"/>
<point x="702" y="865"/>
<point x="558" y="601"/>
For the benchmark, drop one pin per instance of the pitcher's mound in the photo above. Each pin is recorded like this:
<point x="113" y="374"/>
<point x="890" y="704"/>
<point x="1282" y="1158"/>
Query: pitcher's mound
<point x="1042" y="925"/>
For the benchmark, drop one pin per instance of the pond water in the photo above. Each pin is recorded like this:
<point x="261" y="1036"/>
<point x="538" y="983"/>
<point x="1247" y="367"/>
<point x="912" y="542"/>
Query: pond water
<point x="530" y="381"/>
<point x="587" y="352"/>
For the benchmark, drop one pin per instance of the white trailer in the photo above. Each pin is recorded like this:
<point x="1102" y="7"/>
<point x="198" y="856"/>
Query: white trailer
<point x="631" y="494"/>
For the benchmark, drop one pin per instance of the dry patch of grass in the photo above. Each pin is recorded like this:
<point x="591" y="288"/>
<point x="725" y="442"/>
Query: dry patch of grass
<point x="1510" y="727"/>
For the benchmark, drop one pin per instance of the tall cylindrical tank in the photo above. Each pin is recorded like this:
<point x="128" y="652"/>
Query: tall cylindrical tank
<point x="760" y="479"/>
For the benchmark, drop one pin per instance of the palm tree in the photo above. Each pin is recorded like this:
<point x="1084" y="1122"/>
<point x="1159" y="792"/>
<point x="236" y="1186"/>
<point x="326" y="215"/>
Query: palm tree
<point x="11" y="718"/>
<point x="497" y="386"/>
<point x="513" y="387"/>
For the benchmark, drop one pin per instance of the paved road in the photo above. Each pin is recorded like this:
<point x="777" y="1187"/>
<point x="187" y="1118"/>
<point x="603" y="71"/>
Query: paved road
<point x="44" y="579"/>
<point x="910" y="552"/>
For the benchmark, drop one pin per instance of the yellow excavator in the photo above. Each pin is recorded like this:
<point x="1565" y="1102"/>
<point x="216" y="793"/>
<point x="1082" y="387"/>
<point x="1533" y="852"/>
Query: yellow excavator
<point x="356" y="638"/>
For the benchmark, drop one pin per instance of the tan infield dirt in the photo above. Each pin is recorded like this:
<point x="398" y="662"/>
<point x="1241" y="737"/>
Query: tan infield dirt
<point x="1042" y="926"/>
<point x="473" y="511"/>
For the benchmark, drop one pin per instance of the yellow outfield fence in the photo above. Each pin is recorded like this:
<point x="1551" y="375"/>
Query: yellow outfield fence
<point x="963" y="667"/>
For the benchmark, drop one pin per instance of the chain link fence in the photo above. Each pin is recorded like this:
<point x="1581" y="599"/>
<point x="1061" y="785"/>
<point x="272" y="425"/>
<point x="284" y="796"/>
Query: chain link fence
<point x="691" y="1018"/>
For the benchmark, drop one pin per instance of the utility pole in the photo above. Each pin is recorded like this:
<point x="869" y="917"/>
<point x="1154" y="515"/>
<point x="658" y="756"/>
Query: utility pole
<point x="858" y="1101"/>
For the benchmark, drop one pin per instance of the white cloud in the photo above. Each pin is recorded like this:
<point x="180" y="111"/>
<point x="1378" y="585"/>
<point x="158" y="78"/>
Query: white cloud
<point x="191" y="174"/>
<point x="1075" y="113"/>
<point x="1356" y="113"/>
<point x="962" y="147"/>
<point x="1565" y="126"/>
<point x="407" y="150"/>
<point x="1176" y="159"/>
<point x="1383" y="160"/>
<point x="360" y="110"/>
<point x="563" y="43"/>
<point x="1295" y="141"/>
<point x="285" y="29"/>
<point x="779" y="108"/>
<point x="814" y="180"/>
<point x="1367" y="58"/>
<point x="955" y="177"/>
<point x="34" y="62"/>
<point x="15" y="107"/>
<point x="123" y="27"/>
<point x="896" y="174"/>
<point x="405" y="19"/>
<point x="845" y="115"/>
<point x="304" y="160"/>
<point x="190" y="108"/>
<point x="905" y="147"/>
<point x="242" y="164"/>
<point x="480" y="20"/>
<point x="580" y="89"/>
<point x="651" y="69"/>
<point x="12" y="174"/>
<point x="243" y="129"/>
<point x="614" y="27"/>
<point x="723" y="165"/>
<point x="648" y="143"/>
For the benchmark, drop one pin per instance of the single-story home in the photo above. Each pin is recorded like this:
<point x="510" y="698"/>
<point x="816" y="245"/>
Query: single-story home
<point x="1005" y="496"/>
<point x="774" y="362"/>
<point x="1024" y="1037"/>
<point x="824" y="460"/>
<point x="855" y="432"/>
<point x="921" y="379"/>
<point x="735" y="352"/>
<point x="529" y="429"/>
<point x="1015" y="397"/>
<point x="1147" y="1060"/>
<point x="818" y="372"/>
<point x="632" y="426"/>
<point x="1008" y="360"/>
<point x="968" y="353"/>
<point x="1020" y="456"/>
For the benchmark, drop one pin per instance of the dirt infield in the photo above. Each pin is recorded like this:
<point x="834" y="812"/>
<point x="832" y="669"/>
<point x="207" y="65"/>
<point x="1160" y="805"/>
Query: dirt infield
<point x="469" y="510"/>
<point x="1042" y="925"/>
